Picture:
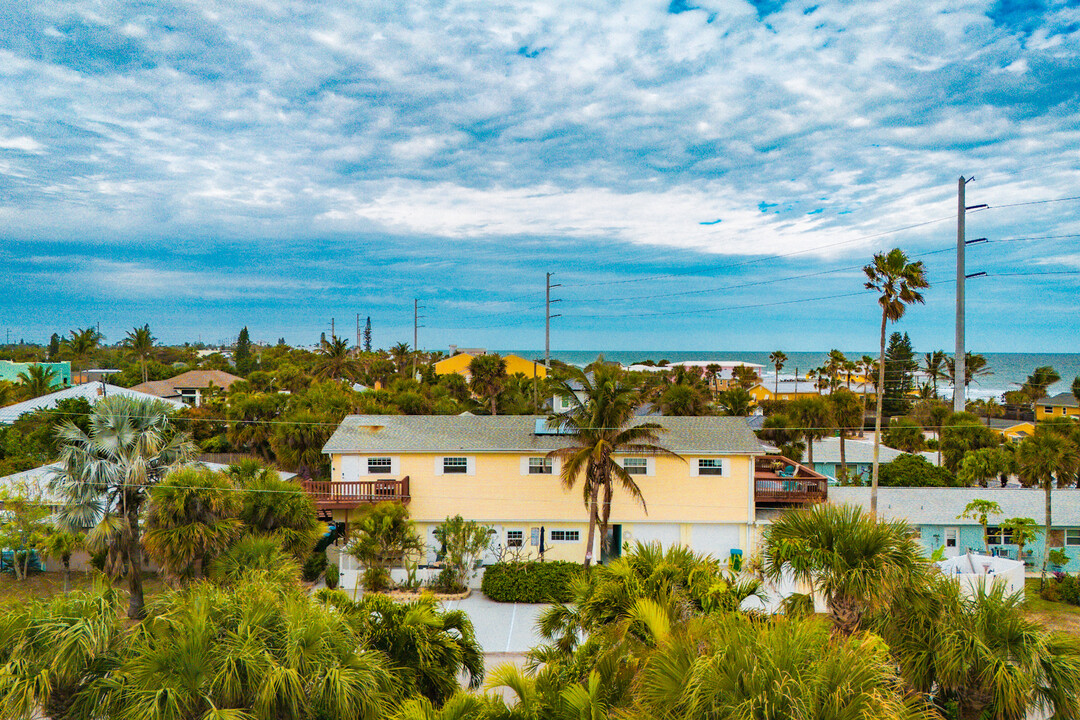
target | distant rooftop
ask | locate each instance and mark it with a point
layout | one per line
(92, 391)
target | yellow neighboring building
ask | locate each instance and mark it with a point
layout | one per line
(1013, 430)
(494, 470)
(514, 364)
(1061, 405)
(785, 390)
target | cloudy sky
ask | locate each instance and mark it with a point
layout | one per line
(699, 175)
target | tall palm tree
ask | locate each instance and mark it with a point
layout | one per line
(487, 377)
(401, 355)
(814, 416)
(847, 413)
(897, 282)
(934, 366)
(106, 473)
(37, 380)
(856, 561)
(335, 360)
(975, 366)
(777, 358)
(191, 516)
(1044, 456)
(82, 343)
(140, 343)
(601, 424)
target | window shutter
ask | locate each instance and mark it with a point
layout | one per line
(556, 465)
(725, 467)
(650, 466)
(438, 465)
(395, 466)
(471, 465)
(524, 465)
(693, 467)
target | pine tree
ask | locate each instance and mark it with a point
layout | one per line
(54, 346)
(900, 364)
(367, 335)
(242, 354)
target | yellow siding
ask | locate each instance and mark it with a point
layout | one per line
(1042, 414)
(514, 364)
(457, 364)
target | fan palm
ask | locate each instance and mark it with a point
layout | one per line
(487, 377)
(140, 343)
(335, 360)
(854, 560)
(814, 416)
(934, 366)
(1044, 456)
(600, 425)
(191, 517)
(106, 474)
(847, 413)
(897, 281)
(278, 508)
(37, 380)
(777, 358)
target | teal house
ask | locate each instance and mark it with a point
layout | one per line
(858, 453)
(934, 513)
(9, 371)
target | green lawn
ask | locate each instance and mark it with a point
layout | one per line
(1053, 615)
(45, 585)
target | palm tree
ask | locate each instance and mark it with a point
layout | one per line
(898, 282)
(401, 355)
(981, 510)
(777, 358)
(335, 360)
(934, 365)
(600, 426)
(815, 417)
(1023, 531)
(277, 508)
(847, 413)
(690, 400)
(487, 377)
(61, 544)
(191, 517)
(856, 561)
(37, 380)
(106, 474)
(82, 343)
(1039, 381)
(735, 402)
(975, 366)
(140, 342)
(1042, 457)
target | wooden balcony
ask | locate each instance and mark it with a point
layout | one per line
(345, 495)
(780, 481)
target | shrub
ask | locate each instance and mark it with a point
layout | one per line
(333, 576)
(914, 471)
(1069, 587)
(314, 565)
(530, 582)
(463, 543)
(1051, 592)
(376, 579)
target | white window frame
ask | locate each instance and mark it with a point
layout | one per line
(463, 465)
(1072, 537)
(552, 538)
(520, 539)
(636, 465)
(996, 535)
(539, 465)
(952, 534)
(379, 471)
(470, 465)
(724, 467)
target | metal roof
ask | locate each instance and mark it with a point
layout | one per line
(93, 392)
(517, 433)
(941, 506)
(827, 450)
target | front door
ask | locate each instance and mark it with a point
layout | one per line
(952, 542)
(614, 548)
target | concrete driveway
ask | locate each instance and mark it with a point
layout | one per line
(500, 627)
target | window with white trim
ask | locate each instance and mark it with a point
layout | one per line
(379, 466)
(999, 536)
(636, 466)
(710, 466)
(565, 536)
(515, 538)
(1072, 536)
(540, 466)
(455, 465)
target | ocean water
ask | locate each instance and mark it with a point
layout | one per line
(1009, 370)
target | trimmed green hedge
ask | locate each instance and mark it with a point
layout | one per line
(529, 582)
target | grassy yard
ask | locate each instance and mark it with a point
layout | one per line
(1053, 615)
(45, 585)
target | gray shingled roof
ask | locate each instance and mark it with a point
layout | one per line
(1065, 399)
(501, 433)
(940, 506)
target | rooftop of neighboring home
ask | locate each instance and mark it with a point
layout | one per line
(91, 391)
(1005, 424)
(1065, 399)
(459, 364)
(191, 380)
(727, 367)
(804, 386)
(942, 506)
(827, 450)
(522, 433)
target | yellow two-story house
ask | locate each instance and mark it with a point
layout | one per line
(1061, 405)
(497, 471)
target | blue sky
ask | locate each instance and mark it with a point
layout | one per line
(699, 175)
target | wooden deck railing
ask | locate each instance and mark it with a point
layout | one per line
(349, 494)
(803, 485)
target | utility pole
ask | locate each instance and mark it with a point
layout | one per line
(333, 335)
(547, 319)
(357, 332)
(417, 307)
(960, 353)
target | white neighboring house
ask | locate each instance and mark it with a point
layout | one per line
(92, 392)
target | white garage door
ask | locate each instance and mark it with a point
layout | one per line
(667, 534)
(715, 540)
